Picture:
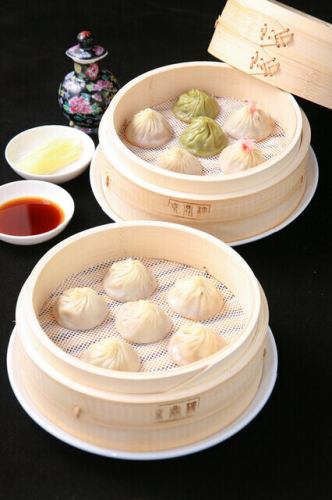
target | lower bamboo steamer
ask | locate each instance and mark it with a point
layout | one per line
(162, 406)
(231, 207)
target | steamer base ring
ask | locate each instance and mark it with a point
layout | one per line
(311, 186)
(264, 391)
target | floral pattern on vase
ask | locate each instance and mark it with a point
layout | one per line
(86, 92)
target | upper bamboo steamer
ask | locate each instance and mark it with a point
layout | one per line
(136, 410)
(230, 218)
(161, 85)
(231, 207)
(276, 43)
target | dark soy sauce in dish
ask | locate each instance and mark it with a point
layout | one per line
(29, 216)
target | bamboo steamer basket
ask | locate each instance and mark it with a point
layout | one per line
(148, 410)
(167, 83)
(274, 42)
(231, 207)
(229, 217)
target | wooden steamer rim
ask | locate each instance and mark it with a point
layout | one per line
(156, 86)
(278, 44)
(37, 287)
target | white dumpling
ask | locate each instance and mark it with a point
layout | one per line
(80, 309)
(194, 342)
(179, 160)
(142, 322)
(129, 280)
(240, 156)
(148, 129)
(249, 122)
(112, 353)
(195, 298)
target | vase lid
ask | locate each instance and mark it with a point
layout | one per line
(86, 51)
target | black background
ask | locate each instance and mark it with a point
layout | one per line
(284, 452)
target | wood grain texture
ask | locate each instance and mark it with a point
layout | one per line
(280, 45)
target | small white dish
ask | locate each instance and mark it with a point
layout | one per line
(33, 137)
(38, 189)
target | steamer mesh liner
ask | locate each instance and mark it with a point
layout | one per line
(229, 323)
(273, 146)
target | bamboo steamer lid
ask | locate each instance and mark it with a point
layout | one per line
(278, 44)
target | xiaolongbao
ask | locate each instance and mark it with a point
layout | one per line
(148, 129)
(80, 309)
(129, 280)
(249, 122)
(142, 322)
(179, 160)
(112, 353)
(203, 137)
(195, 298)
(240, 156)
(195, 103)
(194, 342)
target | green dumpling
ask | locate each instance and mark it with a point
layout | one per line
(203, 137)
(195, 103)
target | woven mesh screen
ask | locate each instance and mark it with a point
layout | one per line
(229, 324)
(271, 147)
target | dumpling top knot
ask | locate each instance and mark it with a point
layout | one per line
(203, 137)
(247, 145)
(112, 353)
(179, 160)
(142, 322)
(148, 129)
(194, 342)
(195, 298)
(249, 122)
(129, 280)
(239, 156)
(80, 309)
(195, 103)
(251, 105)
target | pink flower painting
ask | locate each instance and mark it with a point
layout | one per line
(97, 97)
(92, 71)
(99, 50)
(102, 84)
(79, 105)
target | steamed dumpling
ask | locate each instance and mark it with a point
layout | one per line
(129, 280)
(112, 353)
(195, 103)
(240, 156)
(179, 160)
(249, 122)
(195, 298)
(142, 322)
(80, 309)
(203, 137)
(148, 129)
(194, 342)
